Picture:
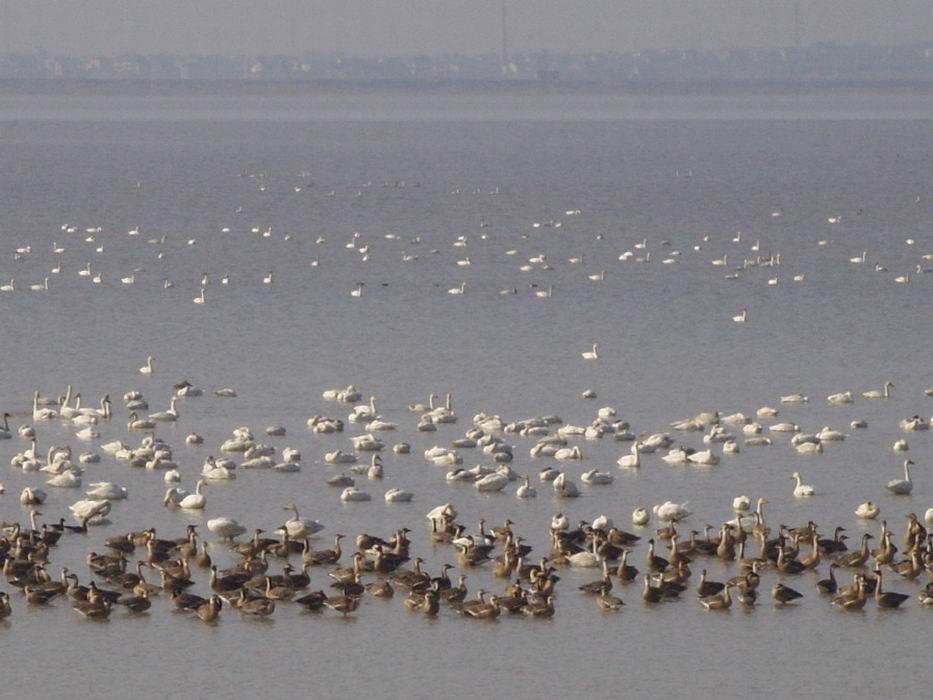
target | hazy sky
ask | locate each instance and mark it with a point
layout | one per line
(375, 27)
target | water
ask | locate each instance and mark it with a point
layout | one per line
(663, 170)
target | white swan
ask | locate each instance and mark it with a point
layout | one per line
(585, 559)
(867, 511)
(802, 490)
(671, 512)
(526, 490)
(196, 500)
(225, 528)
(592, 353)
(297, 527)
(903, 486)
(640, 517)
(882, 394)
(492, 482)
(169, 416)
(41, 413)
(340, 457)
(568, 453)
(631, 461)
(457, 291)
(90, 509)
(137, 423)
(398, 496)
(794, 398)
(842, 397)
(928, 516)
(354, 494)
(67, 480)
(147, 368)
(564, 487)
(31, 496)
(741, 504)
(742, 317)
(596, 477)
(704, 457)
(174, 496)
(106, 490)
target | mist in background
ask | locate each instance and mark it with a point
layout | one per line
(405, 27)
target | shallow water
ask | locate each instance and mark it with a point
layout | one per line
(669, 350)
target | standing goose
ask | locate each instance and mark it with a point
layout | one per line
(784, 595)
(888, 600)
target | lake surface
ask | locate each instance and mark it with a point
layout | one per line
(685, 174)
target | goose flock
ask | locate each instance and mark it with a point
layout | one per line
(261, 573)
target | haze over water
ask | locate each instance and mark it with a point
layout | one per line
(663, 169)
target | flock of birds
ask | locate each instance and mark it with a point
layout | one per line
(739, 258)
(261, 575)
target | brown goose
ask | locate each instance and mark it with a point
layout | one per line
(343, 604)
(609, 602)
(209, 611)
(625, 571)
(540, 608)
(380, 589)
(489, 611)
(312, 601)
(259, 607)
(858, 558)
(5, 609)
(855, 600)
(708, 588)
(326, 557)
(136, 603)
(888, 600)
(94, 611)
(784, 595)
(649, 593)
(719, 601)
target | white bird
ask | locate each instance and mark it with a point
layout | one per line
(492, 482)
(631, 461)
(225, 528)
(742, 317)
(741, 504)
(564, 487)
(90, 509)
(840, 398)
(169, 416)
(106, 490)
(147, 368)
(794, 398)
(297, 527)
(196, 500)
(596, 477)
(640, 517)
(592, 354)
(526, 490)
(802, 490)
(397, 496)
(457, 291)
(354, 494)
(903, 486)
(67, 479)
(882, 394)
(867, 511)
(31, 496)
(671, 512)
(560, 522)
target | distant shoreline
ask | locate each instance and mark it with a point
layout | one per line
(246, 88)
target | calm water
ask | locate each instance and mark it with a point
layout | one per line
(661, 170)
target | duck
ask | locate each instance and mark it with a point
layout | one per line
(902, 487)
(802, 490)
